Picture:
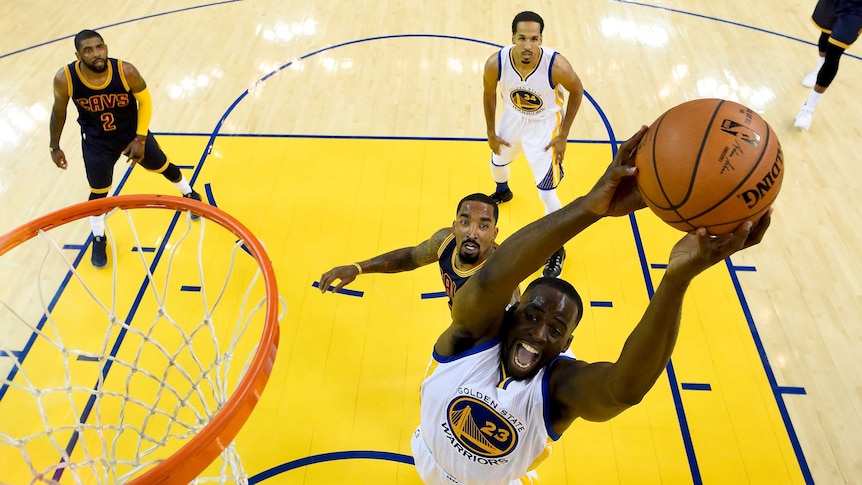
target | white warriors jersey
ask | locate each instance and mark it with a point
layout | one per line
(533, 96)
(480, 426)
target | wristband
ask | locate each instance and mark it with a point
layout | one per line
(359, 268)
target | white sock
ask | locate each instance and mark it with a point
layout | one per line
(500, 174)
(813, 98)
(97, 225)
(550, 199)
(183, 185)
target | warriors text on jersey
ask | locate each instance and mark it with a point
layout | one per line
(533, 96)
(479, 426)
(107, 110)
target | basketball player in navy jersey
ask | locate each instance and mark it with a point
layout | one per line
(497, 392)
(460, 250)
(531, 79)
(840, 22)
(114, 110)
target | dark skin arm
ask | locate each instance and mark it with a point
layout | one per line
(489, 101)
(478, 309)
(602, 390)
(58, 117)
(404, 259)
(563, 74)
(135, 149)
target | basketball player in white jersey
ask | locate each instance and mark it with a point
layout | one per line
(531, 78)
(497, 393)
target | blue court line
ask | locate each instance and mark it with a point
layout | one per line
(16, 354)
(190, 288)
(343, 291)
(334, 456)
(147, 249)
(778, 392)
(359, 137)
(72, 36)
(814, 32)
(436, 294)
(743, 268)
(658, 265)
(76, 247)
(601, 304)
(87, 358)
(791, 390)
(691, 386)
(209, 192)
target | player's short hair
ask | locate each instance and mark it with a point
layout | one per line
(563, 287)
(528, 16)
(479, 197)
(84, 35)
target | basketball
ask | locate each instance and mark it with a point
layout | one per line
(709, 163)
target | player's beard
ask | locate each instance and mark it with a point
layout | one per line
(93, 67)
(467, 258)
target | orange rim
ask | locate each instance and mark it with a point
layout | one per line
(202, 449)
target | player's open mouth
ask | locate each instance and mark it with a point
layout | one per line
(469, 246)
(526, 355)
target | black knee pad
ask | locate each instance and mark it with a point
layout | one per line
(172, 173)
(830, 65)
(822, 42)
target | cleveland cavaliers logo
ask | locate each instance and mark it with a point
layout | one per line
(480, 429)
(526, 101)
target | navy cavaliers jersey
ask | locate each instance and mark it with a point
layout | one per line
(453, 278)
(107, 110)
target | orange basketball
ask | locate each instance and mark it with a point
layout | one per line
(709, 163)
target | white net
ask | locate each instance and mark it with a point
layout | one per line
(107, 373)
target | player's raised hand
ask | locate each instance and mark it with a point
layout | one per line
(616, 193)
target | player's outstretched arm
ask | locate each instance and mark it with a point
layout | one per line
(478, 307)
(600, 391)
(396, 261)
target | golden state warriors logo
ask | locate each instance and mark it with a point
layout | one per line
(526, 101)
(480, 429)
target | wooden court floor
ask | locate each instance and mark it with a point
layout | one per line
(339, 130)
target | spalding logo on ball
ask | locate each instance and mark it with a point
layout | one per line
(709, 163)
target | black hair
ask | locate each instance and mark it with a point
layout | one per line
(84, 35)
(528, 16)
(479, 197)
(563, 287)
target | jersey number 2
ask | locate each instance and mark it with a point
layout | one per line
(108, 122)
